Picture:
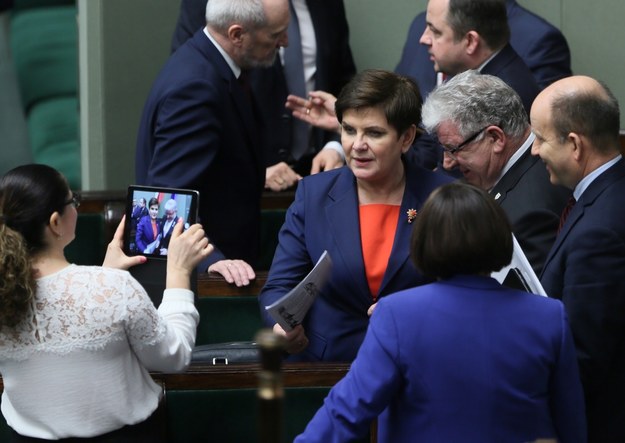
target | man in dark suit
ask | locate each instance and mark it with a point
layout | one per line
(542, 47)
(485, 133)
(328, 65)
(199, 128)
(469, 34)
(576, 122)
(167, 224)
(138, 212)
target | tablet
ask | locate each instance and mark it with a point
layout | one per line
(151, 214)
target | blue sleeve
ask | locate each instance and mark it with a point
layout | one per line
(291, 261)
(362, 394)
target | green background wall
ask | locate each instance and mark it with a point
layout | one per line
(124, 44)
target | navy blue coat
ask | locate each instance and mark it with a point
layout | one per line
(586, 270)
(198, 131)
(334, 63)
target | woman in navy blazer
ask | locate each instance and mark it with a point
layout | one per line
(463, 359)
(379, 112)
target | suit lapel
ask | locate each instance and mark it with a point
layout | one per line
(494, 67)
(512, 177)
(400, 252)
(587, 199)
(241, 103)
(342, 207)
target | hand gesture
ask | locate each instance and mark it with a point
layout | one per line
(318, 110)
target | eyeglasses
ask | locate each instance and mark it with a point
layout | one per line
(75, 200)
(451, 150)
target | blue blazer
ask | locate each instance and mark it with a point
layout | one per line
(461, 360)
(144, 235)
(324, 216)
(199, 131)
(586, 270)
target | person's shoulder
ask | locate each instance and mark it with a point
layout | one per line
(520, 17)
(419, 173)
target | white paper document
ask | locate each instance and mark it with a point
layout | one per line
(290, 310)
(521, 266)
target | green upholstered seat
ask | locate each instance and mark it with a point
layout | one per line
(225, 319)
(89, 246)
(54, 139)
(26, 4)
(45, 52)
(270, 224)
(229, 415)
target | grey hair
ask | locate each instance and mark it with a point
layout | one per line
(221, 14)
(471, 101)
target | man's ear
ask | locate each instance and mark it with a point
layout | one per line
(498, 136)
(578, 145)
(235, 34)
(473, 42)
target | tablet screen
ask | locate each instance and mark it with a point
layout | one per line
(151, 214)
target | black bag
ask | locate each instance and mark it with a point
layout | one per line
(226, 353)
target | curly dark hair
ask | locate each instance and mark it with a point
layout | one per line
(29, 195)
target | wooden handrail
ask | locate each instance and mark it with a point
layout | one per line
(211, 285)
(240, 376)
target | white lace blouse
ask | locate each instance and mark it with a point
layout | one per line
(79, 366)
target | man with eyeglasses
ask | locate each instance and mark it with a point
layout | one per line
(469, 34)
(484, 130)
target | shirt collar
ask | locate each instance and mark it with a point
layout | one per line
(516, 156)
(233, 66)
(586, 181)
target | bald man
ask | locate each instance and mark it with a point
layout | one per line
(576, 123)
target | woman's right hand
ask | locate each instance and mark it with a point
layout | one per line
(296, 340)
(186, 250)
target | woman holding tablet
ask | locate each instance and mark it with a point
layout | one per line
(77, 342)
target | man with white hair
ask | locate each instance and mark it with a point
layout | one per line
(484, 131)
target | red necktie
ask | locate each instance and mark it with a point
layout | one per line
(566, 211)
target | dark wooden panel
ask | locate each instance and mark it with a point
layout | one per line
(211, 285)
(202, 376)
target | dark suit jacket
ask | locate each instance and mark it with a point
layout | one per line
(533, 206)
(461, 360)
(198, 131)
(586, 270)
(166, 235)
(542, 47)
(508, 66)
(324, 216)
(335, 67)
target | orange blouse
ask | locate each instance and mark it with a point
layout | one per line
(378, 224)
